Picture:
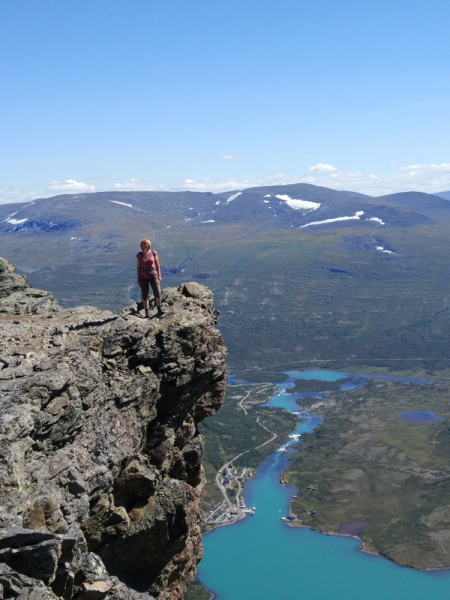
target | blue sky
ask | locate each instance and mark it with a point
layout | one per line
(223, 95)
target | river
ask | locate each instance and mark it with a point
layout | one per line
(261, 558)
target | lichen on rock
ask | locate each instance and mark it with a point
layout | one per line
(100, 474)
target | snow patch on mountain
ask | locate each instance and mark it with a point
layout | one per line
(27, 225)
(233, 197)
(11, 215)
(355, 217)
(298, 204)
(16, 221)
(382, 249)
(122, 203)
(377, 220)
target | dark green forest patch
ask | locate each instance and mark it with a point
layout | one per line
(262, 377)
(316, 385)
(197, 591)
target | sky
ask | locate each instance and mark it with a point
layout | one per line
(216, 96)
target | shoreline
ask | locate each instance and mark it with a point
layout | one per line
(347, 535)
(225, 524)
(360, 548)
(365, 550)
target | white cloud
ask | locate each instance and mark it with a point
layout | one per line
(424, 177)
(322, 168)
(428, 178)
(209, 184)
(444, 167)
(9, 195)
(136, 185)
(227, 157)
(70, 185)
(127, 186)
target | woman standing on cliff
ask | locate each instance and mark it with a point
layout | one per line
(149, 273)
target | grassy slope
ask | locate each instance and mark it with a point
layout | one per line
(370, 466)
(388, 307)
(274, 289)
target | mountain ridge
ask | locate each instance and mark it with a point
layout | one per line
(70, 212)
(445, 195)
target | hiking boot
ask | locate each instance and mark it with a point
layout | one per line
(160, 311)
(147, 313)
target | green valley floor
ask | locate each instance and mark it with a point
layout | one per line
(364, 464)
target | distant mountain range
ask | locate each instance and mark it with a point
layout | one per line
(299, 271)
(289, 206)
(445, 195)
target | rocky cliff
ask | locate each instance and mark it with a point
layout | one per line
(100, 460)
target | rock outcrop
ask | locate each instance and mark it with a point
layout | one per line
(100, 461)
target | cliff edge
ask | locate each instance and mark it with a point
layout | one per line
(100, 461)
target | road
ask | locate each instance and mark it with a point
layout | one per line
(274, 436)
(218, 480)
(243, 400)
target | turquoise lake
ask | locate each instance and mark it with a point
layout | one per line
(261, 558)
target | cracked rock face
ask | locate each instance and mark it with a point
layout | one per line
(100, 472)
